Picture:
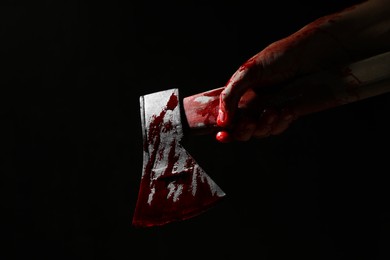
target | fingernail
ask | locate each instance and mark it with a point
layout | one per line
(221, 117)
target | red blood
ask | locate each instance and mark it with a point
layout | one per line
(202, 109)
(208, 112)
(220, 122)
(223, 137)
(162, 209)
(172, 102)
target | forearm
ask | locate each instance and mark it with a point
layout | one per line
(364, 29)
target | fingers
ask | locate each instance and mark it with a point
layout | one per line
(285, 118)
(244, 129)
(265, 125)
(273, 122)
(270, 123)
(238, 84)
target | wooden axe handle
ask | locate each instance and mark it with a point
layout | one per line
(306, 95)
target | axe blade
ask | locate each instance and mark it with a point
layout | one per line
(173, 186)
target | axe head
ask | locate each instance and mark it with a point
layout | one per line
(173, 186)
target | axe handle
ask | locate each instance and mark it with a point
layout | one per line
(306, 95)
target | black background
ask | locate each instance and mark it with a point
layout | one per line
(72, 143)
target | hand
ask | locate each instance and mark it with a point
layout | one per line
(241, 113)
(354, 33)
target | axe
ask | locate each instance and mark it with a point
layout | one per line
(174, 186)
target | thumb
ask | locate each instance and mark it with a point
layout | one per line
(229, 98)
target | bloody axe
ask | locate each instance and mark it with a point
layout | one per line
(174, 186)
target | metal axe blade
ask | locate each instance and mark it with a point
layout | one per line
(173, 186)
